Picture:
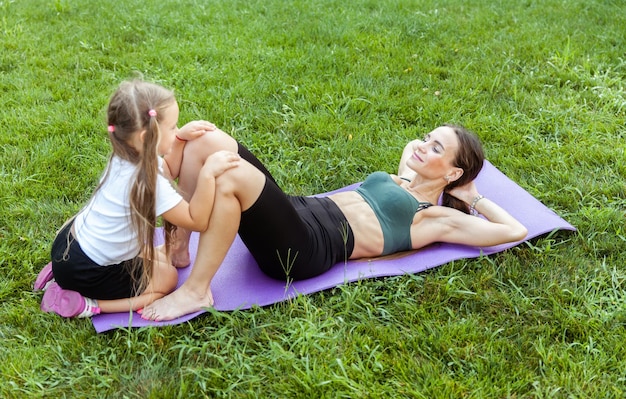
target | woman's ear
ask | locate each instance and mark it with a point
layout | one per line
(454, 174)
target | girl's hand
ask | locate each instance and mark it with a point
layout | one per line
(219, 162)
(465, 193)
(195, 129)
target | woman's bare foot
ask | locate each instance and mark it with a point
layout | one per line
(179, 303)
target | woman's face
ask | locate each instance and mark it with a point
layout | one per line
(433, 157)
(168, 127)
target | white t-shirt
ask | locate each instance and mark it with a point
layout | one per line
(103, 229)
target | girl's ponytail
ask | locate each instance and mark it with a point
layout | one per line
(143, 196)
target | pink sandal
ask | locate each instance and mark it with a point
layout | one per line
(67, 303)
(44, 278)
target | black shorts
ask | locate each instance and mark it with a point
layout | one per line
(294, 238)
(77, 272)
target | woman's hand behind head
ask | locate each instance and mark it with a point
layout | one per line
(465, 193)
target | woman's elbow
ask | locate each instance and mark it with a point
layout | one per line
(519, 233)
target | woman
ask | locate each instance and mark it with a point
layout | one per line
(296, 238)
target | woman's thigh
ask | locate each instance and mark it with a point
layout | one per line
(274, 232)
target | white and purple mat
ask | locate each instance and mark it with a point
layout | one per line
(239, 284)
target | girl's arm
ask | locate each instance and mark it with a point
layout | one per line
(190, 131)
(194, 215)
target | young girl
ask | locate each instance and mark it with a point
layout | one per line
(103, 259)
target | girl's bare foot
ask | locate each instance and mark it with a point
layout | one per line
(179, 303)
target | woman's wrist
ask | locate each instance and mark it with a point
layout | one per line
(472, 207)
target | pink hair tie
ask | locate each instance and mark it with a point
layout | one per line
(152, 113)
(111, 128)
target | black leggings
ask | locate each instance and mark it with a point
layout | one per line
(293, 238)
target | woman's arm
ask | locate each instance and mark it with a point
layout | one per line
(498, 227)
(460, 228)
(450, 225)
(403, 170)
(194, 215)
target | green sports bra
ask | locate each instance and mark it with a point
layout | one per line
(394, 207)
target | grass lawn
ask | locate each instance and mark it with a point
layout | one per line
(325, 92)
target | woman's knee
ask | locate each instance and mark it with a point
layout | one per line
(244, 182)
(208, 143)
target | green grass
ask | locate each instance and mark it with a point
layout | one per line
(326, 92)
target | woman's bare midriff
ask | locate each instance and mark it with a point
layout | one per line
(368, 235)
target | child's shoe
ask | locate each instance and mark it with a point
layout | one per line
(44, 278)
(68, 303)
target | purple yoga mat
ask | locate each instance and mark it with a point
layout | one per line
(239, 284)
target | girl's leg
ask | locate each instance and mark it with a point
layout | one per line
(70, 303)
(164, 280)
(236, 190)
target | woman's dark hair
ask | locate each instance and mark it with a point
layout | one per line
(470, 158)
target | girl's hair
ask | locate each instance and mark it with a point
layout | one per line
(135, 107)
(470, 158)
